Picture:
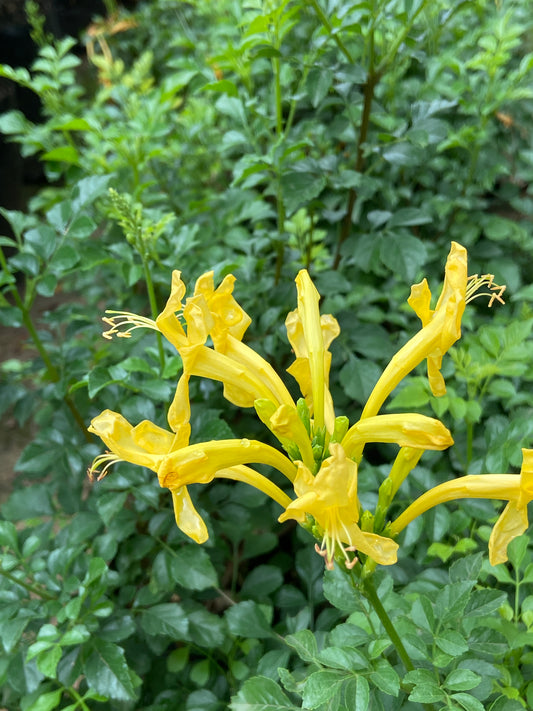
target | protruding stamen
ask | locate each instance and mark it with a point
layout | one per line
(475, 283)
(327, 551)
(107, 460)
(124, 318)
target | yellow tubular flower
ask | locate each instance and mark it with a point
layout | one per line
(199, 463)
(147, 445)
(310, 335)
(331, 498)
(517, 489)
(406, 430)
(441, 328)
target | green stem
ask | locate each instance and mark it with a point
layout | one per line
(346, 224)
(324, 20)
(280, 247)
(371, 595)
(469, 444)
(153, 308)
(369, 591)
(79, 700)
(30, 588)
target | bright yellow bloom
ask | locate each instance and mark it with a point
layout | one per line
(177, 464)
(211, 313)
(146, 445)
(517, 489)
(441, 328)
(310, 335)
(331, 498)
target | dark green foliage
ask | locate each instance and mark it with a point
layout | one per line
(355, 139)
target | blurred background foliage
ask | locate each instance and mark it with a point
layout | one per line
(355, 139)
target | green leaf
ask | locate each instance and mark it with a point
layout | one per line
(517, 551)
(422, 614)
(461, 680)
(168, 619)
(299, 188)
(468, 702)
(64, 259)
(247, 619)
(427, 693)
(88, 189)
(467, 568)
(63, 154)
(414, 394)
(42, 241)
(346, 659)
(452, 600)
(47, 285)
(358, 376)
(451, 642)
(8, 535)
(403, 154)
(192, 568)
(339, 591)
(262, 581)
(48, 660)
(45, 701)
(261, 694)
(11, 629)
(206, 629)
(386, 678)
(107, 672)
(98, 379)
(408, 216)
(404, 255)
(27, 503)
(305, 645)
(321, 686)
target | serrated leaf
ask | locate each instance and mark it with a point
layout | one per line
(321, 686)
(261, 694)
(304, 644)
(167, 619)
(299, 188)
(247, 619)
(46, 701)
(262, 581)
(404, 255)
(107, 672)
(192, 568)
(462, 680)
(451, 642)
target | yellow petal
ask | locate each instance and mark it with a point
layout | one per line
(229, 318)
(187, 518)
(145, 445)
(406, 430)
(512, 523)
(381, 549)
(167, 321)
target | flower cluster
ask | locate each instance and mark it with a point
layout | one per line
(322, 451)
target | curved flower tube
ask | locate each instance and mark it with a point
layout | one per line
(517, 489)
(405, 429)
(331, 498)
(310, 335)
(441, 328)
